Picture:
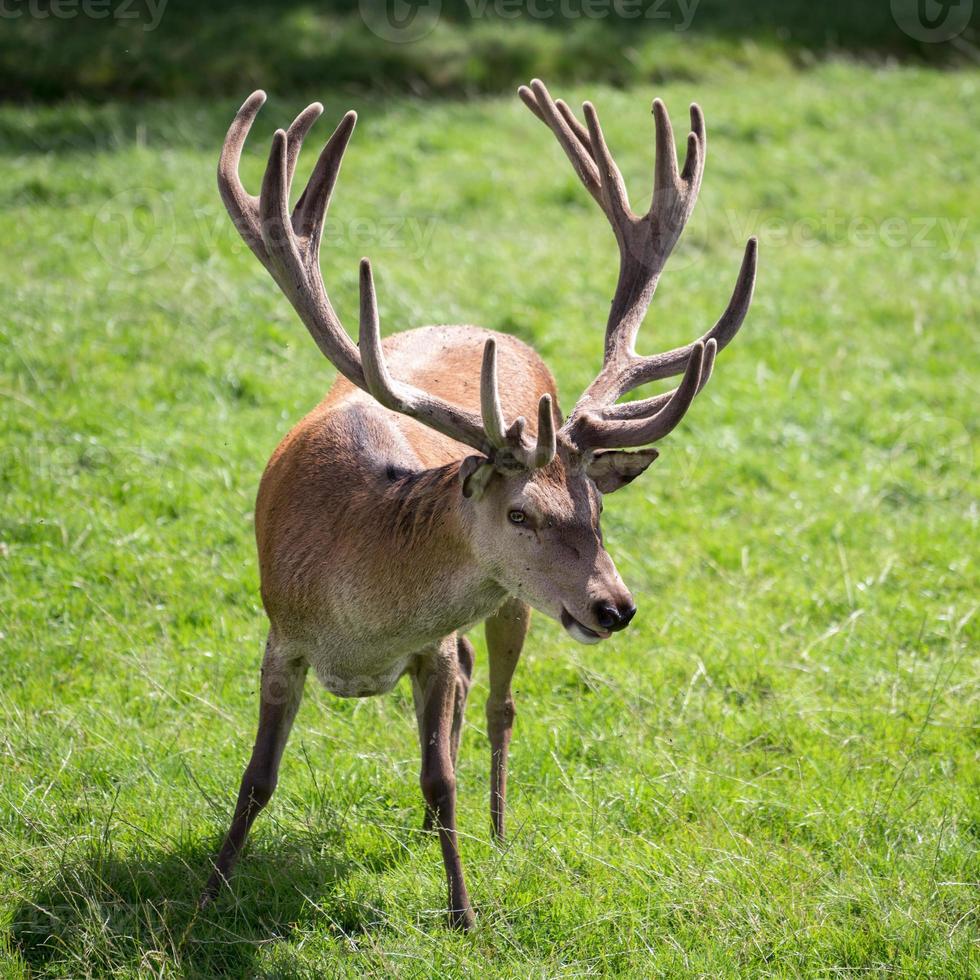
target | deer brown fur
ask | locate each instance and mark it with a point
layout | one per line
(404, 510)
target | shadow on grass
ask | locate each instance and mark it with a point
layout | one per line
(102, 913)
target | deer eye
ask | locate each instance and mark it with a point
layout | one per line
(516, 516)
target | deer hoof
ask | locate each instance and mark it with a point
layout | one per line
(462, 919)
(210, 892)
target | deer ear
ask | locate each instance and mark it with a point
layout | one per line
(614, 469)
(474, 475)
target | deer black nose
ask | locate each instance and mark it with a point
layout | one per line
(610, 617)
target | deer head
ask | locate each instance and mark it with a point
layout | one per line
(531, 493)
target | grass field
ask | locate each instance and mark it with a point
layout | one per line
(774, 772)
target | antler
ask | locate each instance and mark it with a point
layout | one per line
(288, 245)
(645, 243)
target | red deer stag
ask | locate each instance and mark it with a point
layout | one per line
(413, 503)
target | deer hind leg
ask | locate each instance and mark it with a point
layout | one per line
(281, 693)
(466, 656)
(505, 632)
(436, 686)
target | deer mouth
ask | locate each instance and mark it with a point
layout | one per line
(579, 632)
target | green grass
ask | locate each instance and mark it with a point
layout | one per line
(774, 772)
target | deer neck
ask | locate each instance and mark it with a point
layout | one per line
(427, 518)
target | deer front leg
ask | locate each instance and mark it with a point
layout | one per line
(282, 690)
(466, 656)
(505, 631)
(435, 685)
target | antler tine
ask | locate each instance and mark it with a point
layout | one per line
(530, 100)
(509, 440)
(731, 320)
(641, 370)
(659, 425)
(405, 399)
(547, 445)
(665, 175)
(657, 366)
(646, 407)
(295, 135)
(313, 202)
(274, 208)
(580, 131)
(493, 415)
(616, 200)
(585, 147)
(697, 150)
(292, 244)
(615, 434)
(539, 100)
(675, 192)
(379, 382)
(242, 206)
